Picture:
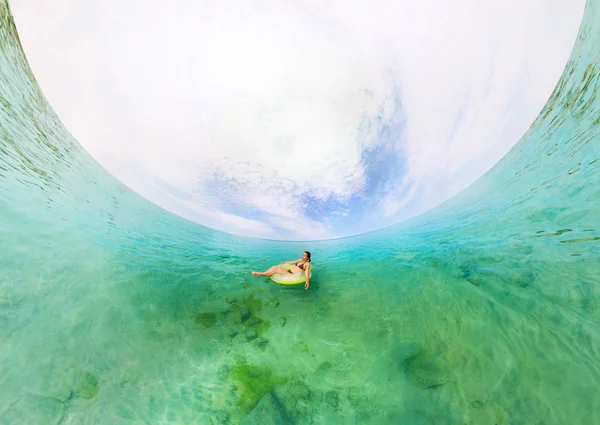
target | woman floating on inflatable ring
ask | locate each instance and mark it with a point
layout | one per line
(299, 266)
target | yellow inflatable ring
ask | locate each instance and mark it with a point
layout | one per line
(291, 279)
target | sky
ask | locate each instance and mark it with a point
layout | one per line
(297, 120)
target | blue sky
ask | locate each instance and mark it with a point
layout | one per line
(297, 120)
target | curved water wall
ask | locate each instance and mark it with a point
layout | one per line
(484, 310)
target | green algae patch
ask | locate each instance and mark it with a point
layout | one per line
(249, 303)
(259, 325)
(303, 348)
(86, 386)
(425, 370)
(325, 367)
(252, 304)
(244, 313)
(252, 383)
(206, 320)
(70, 380)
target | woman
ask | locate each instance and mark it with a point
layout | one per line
(300, 266)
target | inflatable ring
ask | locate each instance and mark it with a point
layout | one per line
(290, 279)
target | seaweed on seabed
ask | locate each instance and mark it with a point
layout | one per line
(425, 370)
(244, 313)
(206, 320)
(252, 382)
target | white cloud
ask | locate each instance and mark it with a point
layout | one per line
(474, 82)
(394, 202)
(251, 107)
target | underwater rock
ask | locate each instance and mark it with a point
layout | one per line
(222, 417)
(250, 334)
(69, 381)
(521, 278)
(86, 386)
(244, 314)
(260, 326)
(262, 343)
(469, 273)
(356, 398)
(234, 305)
(474, 280)
(206, 320)
(254, 321)
(364, 408)
(234, 331)
(465, 273)
(477, 404)
(268, 411)
(252, 304)
(223, 372)
(332, 398)
(423, 371)
(292, 391)
(406, 350)
(237, 315)
(496, 414)
(232, 318)
(298, 390)
(252, 383)
(33, 409)
(61, 394)
(324, 367)
(294, 395)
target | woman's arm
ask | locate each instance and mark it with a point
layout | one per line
(306, 273)
(289, 262)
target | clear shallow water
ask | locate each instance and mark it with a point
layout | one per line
(482, 311)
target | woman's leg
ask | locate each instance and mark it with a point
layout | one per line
(273, 270)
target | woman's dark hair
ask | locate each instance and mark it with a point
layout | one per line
(308, 255)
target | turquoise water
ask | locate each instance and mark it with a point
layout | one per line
(482, 311)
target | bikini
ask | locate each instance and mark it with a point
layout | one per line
(297, 273)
